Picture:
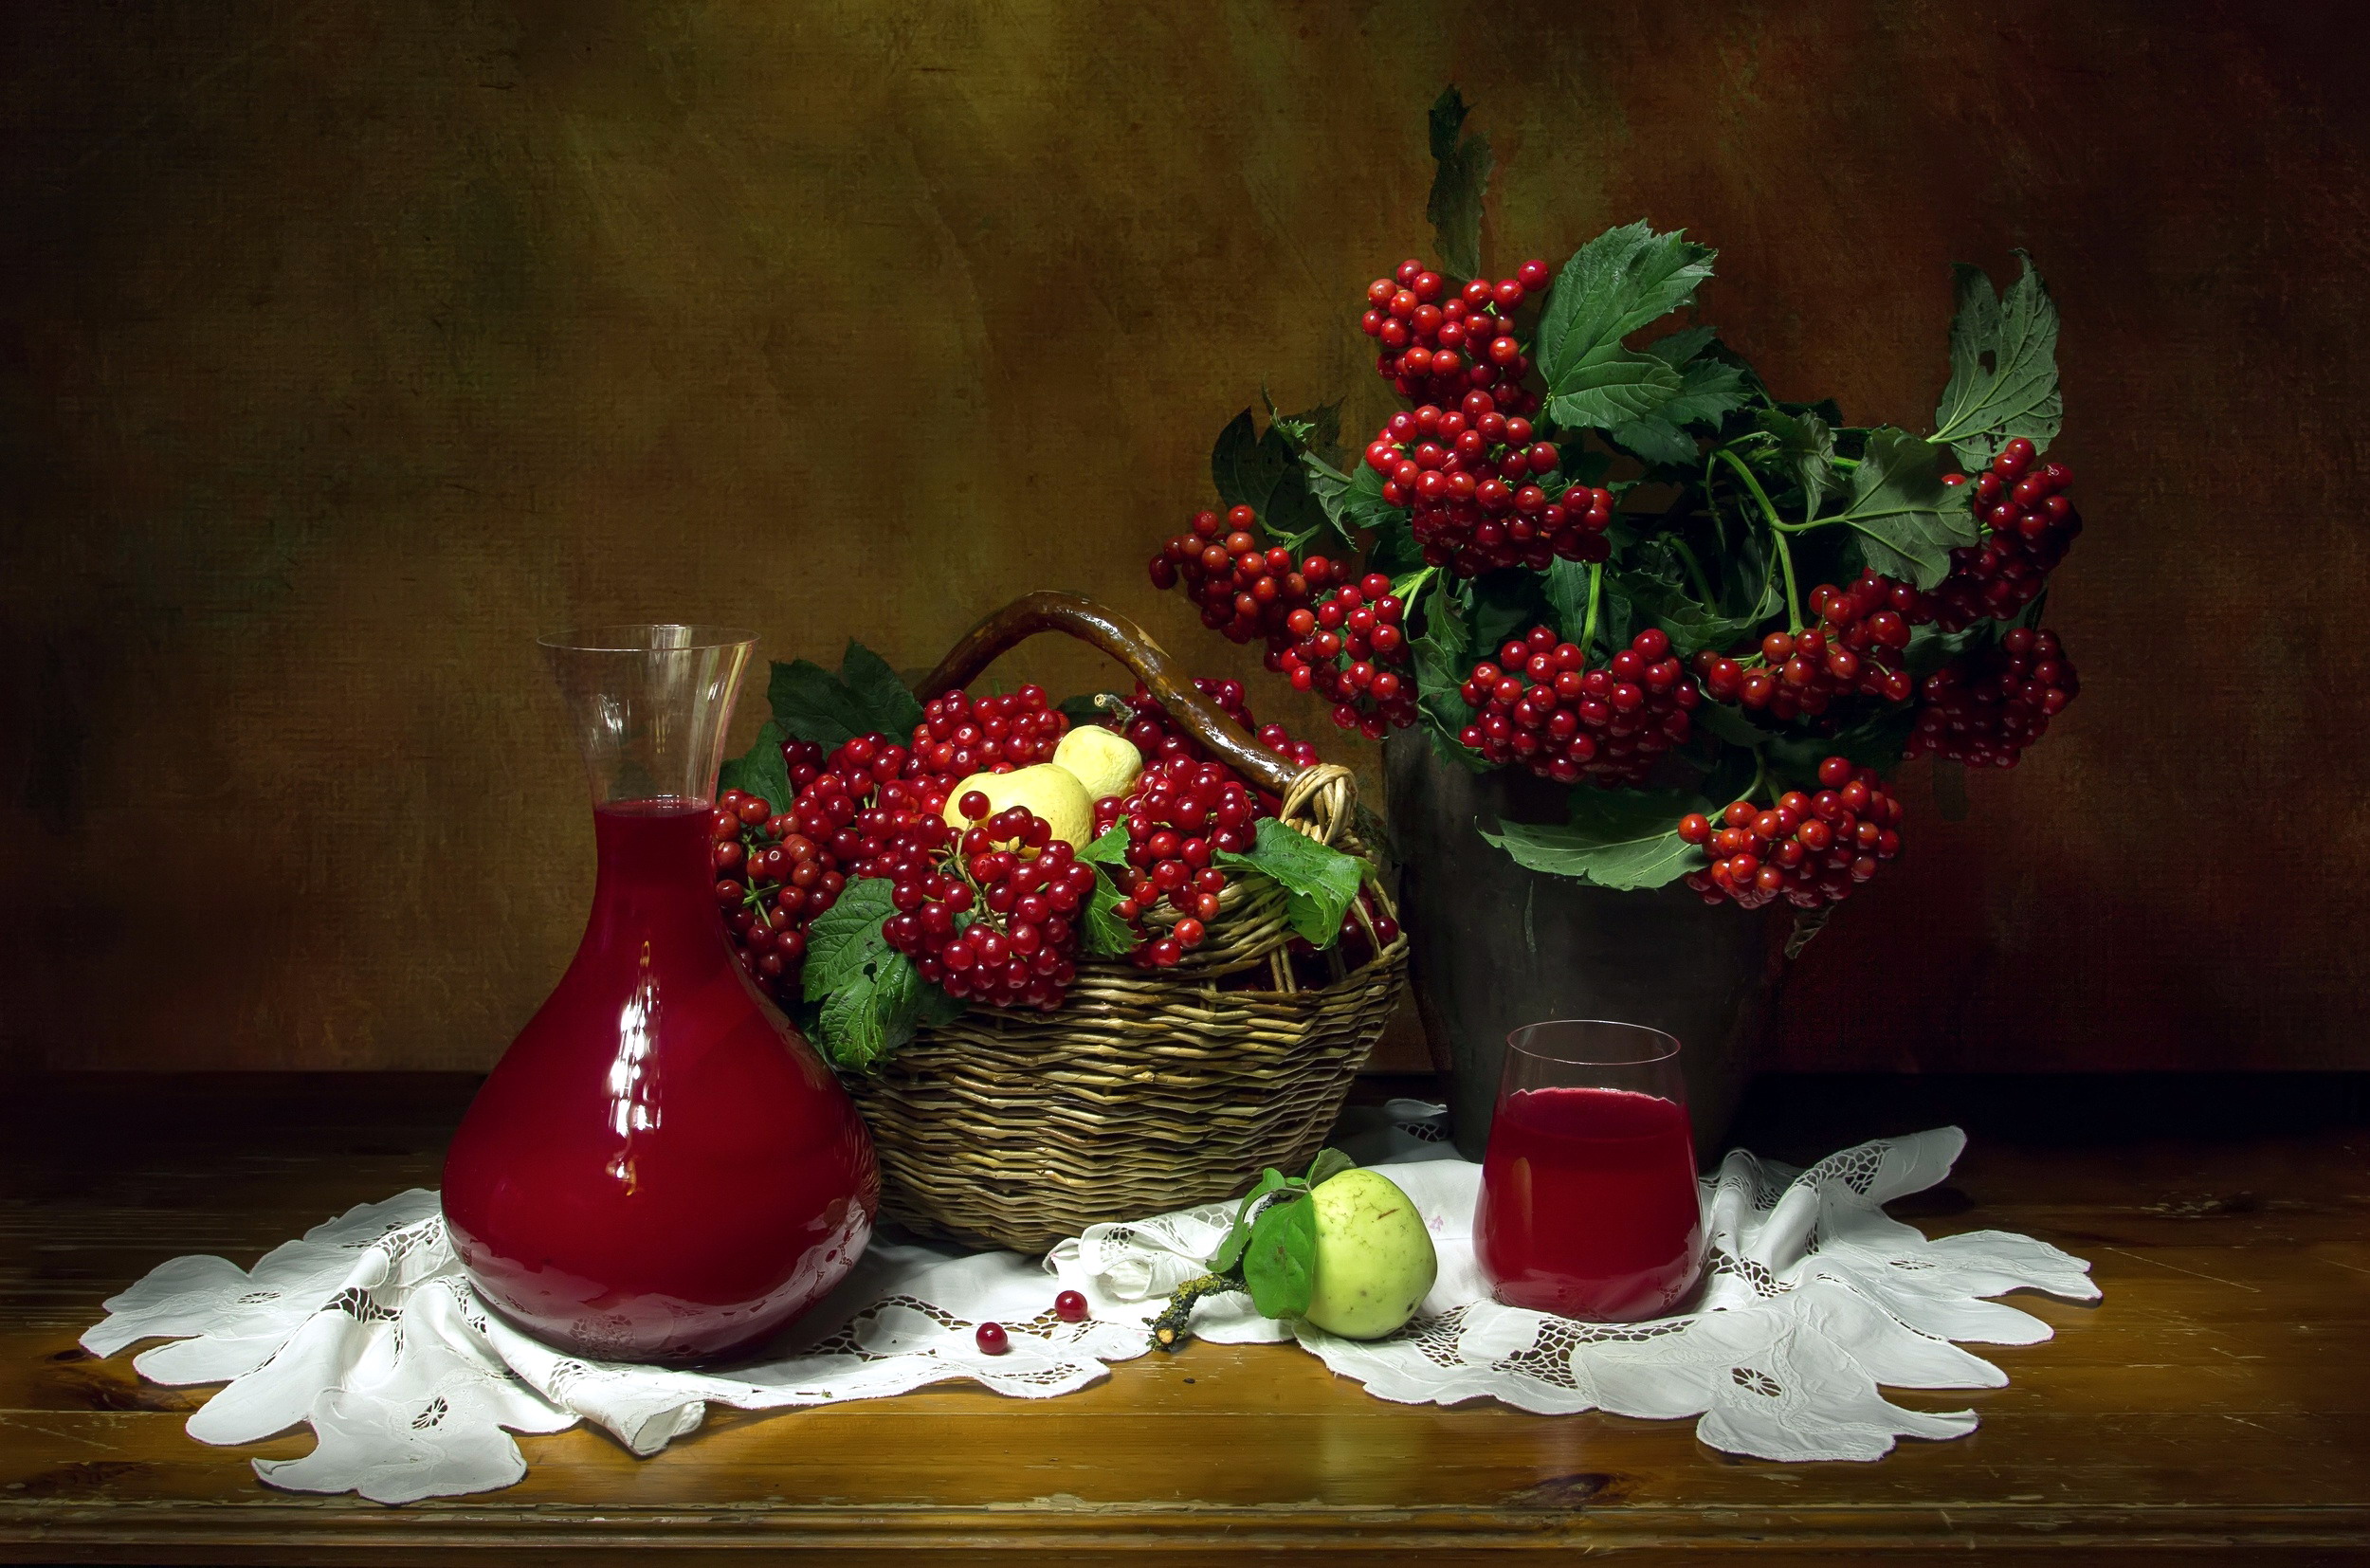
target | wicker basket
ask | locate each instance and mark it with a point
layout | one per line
(1147, 1091)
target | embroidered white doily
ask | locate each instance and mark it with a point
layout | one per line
(367, 1330)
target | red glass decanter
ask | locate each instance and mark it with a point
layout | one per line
(660, 1169)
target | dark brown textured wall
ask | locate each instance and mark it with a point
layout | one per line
(344, 348)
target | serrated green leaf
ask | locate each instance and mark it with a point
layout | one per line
(1876, 742)
(1611, 286)
(1230, 1246)
(1908, 521)
(1083, 709)
(1312, 432)
(1567, 594)
(872, 996)
(759, 770)
(1612, 386)
(1353, 501)
(2003, 368)
(1444, 656)
(1319, 880)
(846, 938)
(1728, 724)
(1807, 443)
(1263, 472)
(864, 698)
(1102, 933)
(1656, 441)
(1618, 839)
(1681, 346)
(1330, 1162)
(1110, 848)
(1506, 604)
(1394, 551)
(1280, 1262)
(1460, 180)
(1931, 648)
(1709, 391)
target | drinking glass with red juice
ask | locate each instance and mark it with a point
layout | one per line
(1588, 1206)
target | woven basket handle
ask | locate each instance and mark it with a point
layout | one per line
(1317, 800)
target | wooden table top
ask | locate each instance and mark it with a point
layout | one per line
(2216, 1406)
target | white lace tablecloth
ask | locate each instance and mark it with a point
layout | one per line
(367, 1330)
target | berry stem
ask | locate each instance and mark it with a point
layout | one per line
(1596, 587)
(1794, 598)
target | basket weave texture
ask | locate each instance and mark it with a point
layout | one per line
(1143, 1093)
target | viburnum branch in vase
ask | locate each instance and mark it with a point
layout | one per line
(1597, 546)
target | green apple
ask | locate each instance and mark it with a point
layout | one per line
(1374, 1262)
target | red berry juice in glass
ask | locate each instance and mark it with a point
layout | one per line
(1589, 1206)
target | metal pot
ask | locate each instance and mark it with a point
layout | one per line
(1493, 946)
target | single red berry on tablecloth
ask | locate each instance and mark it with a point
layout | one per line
(1070, 1306)
(993, 1339)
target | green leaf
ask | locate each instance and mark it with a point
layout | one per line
(1726, 722)
(1444, 656)
(1876, 742)
(1109, 850)
(1280, 1262)
(864, 698)
(1353, 501)
(1567, 592)
(1656, 440)
(1709, 391)
(1311, 432)
(1319, 880)
(1611, 286)
(1263, 472)
(1230, 1246)
(759, 770)
(1908, 521)
(1807, 445)
(1395, 551)
(1459, 182)
(872, 997)
(1931, 648)
(1618, 839)
(1103, 934)
(1612, 386)
(1085, 709)
(1330, 1162)
(2003, 368)
(846, 939)
(1505, 605)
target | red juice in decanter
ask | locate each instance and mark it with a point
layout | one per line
(1587, 1204)
(657, 1171)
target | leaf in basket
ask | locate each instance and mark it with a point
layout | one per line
(1330, 1162)
(1279, 1263)
(1110, 850)
(1229, 1250)
(1103, 934)
(872, 996)
(864, 698)
(759, 770)
(1319, 880)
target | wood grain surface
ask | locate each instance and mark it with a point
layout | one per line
(2214, 1407)
(342, 350)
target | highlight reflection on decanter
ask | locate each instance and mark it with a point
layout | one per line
(660, 1169)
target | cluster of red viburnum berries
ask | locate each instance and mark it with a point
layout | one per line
(1809, 849)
